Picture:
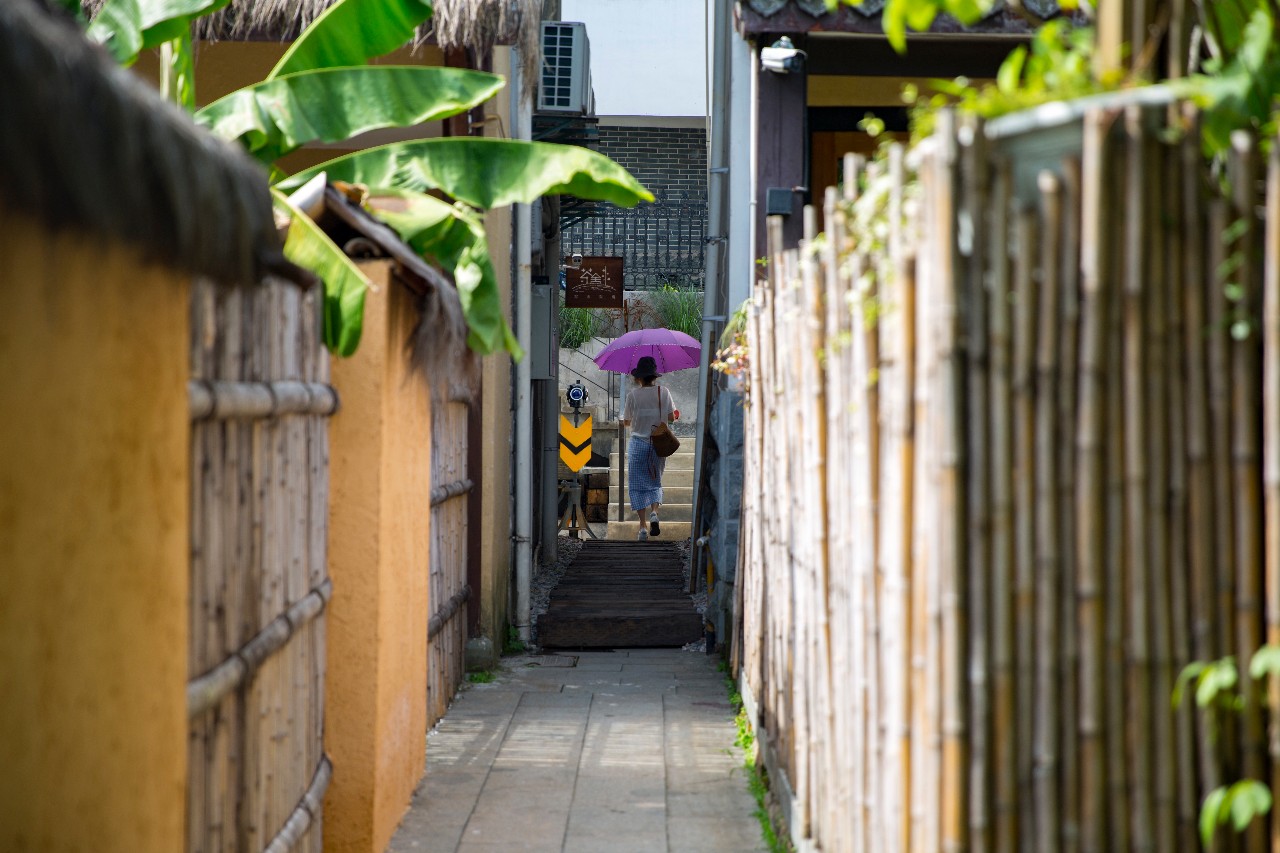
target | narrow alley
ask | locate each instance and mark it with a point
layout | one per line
(626, 751)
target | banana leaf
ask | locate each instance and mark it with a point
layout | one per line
(485, 173)
(128, 27)
(454, 237)
(351, 32)
(344, 284)
(276, 116)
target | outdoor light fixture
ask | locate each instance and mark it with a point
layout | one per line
(782, 57)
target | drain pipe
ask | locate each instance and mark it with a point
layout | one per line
(522, 284)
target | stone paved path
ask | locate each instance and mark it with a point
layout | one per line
(629, 750)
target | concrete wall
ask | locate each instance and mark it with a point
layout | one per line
(380, 548)
(93, 545)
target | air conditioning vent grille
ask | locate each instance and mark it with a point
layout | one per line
(564, 86)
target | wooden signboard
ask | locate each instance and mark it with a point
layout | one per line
(595, 283)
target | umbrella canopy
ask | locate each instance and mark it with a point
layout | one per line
(671, 350)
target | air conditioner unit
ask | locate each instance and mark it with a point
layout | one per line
(565, 86)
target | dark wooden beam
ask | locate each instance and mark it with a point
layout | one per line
(782, 146)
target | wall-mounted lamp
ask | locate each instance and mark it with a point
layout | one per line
(782, 57)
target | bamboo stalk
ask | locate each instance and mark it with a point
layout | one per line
(1116, 569)
(1047, 791)
(1067, 408)
(974, 313)
(1091, 482)
(1165, 755)
(1024, 531)
(1200, 532)
(1137, 551)
(1181, 277)
(1271, 454)
(1001, 475)
(950, 520)
(1246, 468)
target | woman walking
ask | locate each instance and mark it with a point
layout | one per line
(648, 404)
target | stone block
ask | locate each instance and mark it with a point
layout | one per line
(480, 654)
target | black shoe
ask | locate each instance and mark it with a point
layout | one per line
(654, 530)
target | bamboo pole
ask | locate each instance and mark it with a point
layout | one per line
(950, 521)
(974, 312)
(1271, 454)
(1201, 562)
(1180, 277)
(1024, 531)
(1001, 476)
(1067, 407)
(896, 317)
(1246, 467)
(1047, 791)
(1137, 551)
(1165, 755)
(1116, 569)
(1091, 483)
(926, 739)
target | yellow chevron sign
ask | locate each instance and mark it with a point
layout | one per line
(575, 443)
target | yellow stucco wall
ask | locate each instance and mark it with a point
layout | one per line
(379, 559)
(93, 546)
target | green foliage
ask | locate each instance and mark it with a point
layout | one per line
(1237, 804)
(484, 173)
(918, 15)
(512, 644)
(1058, 66)
(679, 307)
(281, 114)
(483, 676)
(128, 27)
(577, 326)
(1217, 691)
(733, 356)
(345, 285)
(351, 32)
(1242, 76)
(321, 91)
(1215, 683)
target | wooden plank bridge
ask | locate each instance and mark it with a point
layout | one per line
(621, 595)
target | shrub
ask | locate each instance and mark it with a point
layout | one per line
(679, 307)
(577, 326)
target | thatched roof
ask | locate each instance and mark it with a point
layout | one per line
(475, 24)
(85, 146)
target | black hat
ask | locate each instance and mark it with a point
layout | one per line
(646, 368)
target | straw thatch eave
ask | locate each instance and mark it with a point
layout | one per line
(477, 25)
(86, 147)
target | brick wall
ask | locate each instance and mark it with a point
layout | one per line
(662, 241)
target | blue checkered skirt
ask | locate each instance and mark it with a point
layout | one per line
(644, 472)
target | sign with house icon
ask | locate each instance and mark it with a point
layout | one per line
(593, 282)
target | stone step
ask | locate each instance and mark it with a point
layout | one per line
(682, 512)
(680, 477)
(627, 530)
(670, 493)
(677, 461)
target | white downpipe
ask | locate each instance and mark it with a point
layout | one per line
(523, 438)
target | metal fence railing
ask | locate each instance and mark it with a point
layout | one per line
(659, 243)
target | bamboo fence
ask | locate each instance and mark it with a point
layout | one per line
(447, 629)
(259, 397)
(1006, 473)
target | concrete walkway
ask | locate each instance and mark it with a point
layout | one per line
(621, 751)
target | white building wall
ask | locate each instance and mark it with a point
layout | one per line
(647, 56)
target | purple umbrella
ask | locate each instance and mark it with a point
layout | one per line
(671, 350)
